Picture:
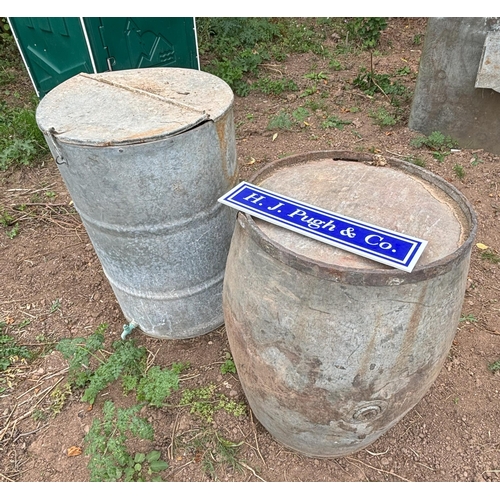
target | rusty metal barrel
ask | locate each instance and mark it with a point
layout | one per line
(145, 154)
(333, 349)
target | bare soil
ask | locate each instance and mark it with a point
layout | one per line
(451, 435)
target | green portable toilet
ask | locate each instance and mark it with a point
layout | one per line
(56, 48)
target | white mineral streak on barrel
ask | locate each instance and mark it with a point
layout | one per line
(145, 154)
(332, 349)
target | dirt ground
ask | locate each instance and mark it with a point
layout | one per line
(52, 287)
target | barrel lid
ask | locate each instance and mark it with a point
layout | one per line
(384, 196)
(132, 106)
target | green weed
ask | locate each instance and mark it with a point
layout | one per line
(335, 122)
(490, 256)
(300, 114)
(405, 70)
(435, 141)
(335, 65)
(21, 141)
(12, 233)
(228, 367)
(384, 118)
(470, 318)
(316, 76)
(281, 121)
(459, 171)
(417, 160)
(276, 87)
(106, 444)
(494, 367)
(206, 401)
(10, 351)
(440, 156)
(371, 83)
(475, 160)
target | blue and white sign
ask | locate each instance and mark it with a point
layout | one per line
(381, 245)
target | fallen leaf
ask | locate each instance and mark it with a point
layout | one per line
(9, 320)
(481, 246)
(252, 161)
(74, 451)
(275, 135)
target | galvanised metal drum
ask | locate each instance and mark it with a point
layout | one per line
(145, 154)
(333, 349)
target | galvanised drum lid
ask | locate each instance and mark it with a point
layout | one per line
(130, 106)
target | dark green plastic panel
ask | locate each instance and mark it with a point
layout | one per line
(142, 42)
(54, 49)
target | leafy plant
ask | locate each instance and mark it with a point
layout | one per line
(280, 121)
(106, 444)
(12, 233)
(157, 385)
(9, 350)
(228, 367)
(435, 141)
(440, 156)
(300, 114)
(470, 318)
(494, 367)
(206, 401)
(335, 122)
(383, 118)
(316, 76)
(366, 30)
(459, 171)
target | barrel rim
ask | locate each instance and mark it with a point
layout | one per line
(363, 276)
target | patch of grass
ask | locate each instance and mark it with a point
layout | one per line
(106, 444)
(276, 87)
(459, 171)
(21, 141)
(335, 122)
(233, 48)
(490, 256)
(436, 141)
(214, 452)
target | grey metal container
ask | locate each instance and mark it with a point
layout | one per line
(332, 350)
(145, 154)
